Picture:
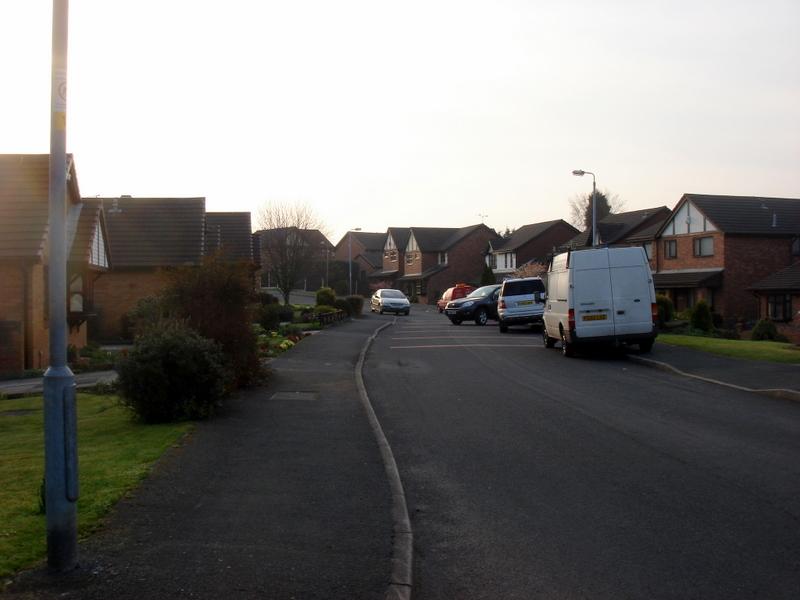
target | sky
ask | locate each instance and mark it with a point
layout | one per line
(414, 113)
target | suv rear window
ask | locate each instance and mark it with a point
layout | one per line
(522, 288)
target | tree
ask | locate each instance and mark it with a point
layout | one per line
(580, 208)
(291, 243)
(487, 277)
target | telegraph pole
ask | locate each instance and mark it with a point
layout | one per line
(60, 414)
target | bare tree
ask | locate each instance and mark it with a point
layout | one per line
(292, 243)
(580, 208)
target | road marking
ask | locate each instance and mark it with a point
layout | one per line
(466, 346)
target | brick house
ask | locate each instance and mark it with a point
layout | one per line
(632, 228)
(717, 247)
(436, 258)
(367, 250)
(394, 249)
(779, 300)
(147, 238)
(530, 244)
(24, 305)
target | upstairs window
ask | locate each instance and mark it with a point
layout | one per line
(704, 246)
(442, 258)
(648, 250)
(670, 248)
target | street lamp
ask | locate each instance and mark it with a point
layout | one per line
(581, 173)
(350, 260)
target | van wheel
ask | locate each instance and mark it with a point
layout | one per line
(567, 348)
(455, 321)
(548, 341)
(481, 317)
(646, 346)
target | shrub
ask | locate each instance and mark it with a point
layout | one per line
(148, 313)
(717, 320)
(269, 316)
(357, 302)
(173, 374)
(324, 308)
(765, 330)
(265, 298)
(701, 317)
(286, 313)
(216, 301)
(326, 296)
(344, 305)
(666, 309)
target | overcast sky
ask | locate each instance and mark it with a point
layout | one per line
(410, 113)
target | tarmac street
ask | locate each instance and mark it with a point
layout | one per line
(530, 475)
(525, 475)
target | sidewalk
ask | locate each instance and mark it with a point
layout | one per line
(33, 385)
(284, 495)
(753, 375)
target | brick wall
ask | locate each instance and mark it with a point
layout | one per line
(38, 349)
(747, 260)
(465, 265)
(686, 258)
(115, 294)
(12, 319)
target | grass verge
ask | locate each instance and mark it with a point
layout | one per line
(114, 454)
(744, 349)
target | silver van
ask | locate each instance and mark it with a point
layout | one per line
(520, 302)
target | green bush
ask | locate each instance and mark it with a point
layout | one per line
(321, 309)
(148, 313)
(701, 317)
(286, 313)
(666, 309)
(269, 316)
(344, 305)
(357, 302)
(216, 300)
(326, 296)
(765, 330)
(265, 298)
(173, 374)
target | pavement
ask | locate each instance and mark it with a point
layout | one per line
(284, 494)
(34, 385)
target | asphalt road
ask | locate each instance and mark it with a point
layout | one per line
(530, 475)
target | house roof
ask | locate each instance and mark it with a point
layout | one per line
(89, 218)
(525, 234)
(425, 274)
(616, 228)
(313, 237)
(230, 233)
(748, 215)
(400, 236)
(787, 279)
(24, 203)
(440, 239)
(688, 278)
(155, 232)
(374, 257)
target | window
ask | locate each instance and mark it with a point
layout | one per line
(796, 246)
(670, 248)
(493, 260)
(442, 258)
(704, 246)
(648, 250)
(779, 307)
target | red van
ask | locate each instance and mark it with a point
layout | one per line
(459, 290)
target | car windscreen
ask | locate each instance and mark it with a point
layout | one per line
(482, 292)
(392, 294)
(522, 288)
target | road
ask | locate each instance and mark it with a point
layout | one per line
(530, 475)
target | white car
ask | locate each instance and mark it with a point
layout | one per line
(390, 301)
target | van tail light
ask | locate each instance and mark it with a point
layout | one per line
(571, 319)
(654, 312)
(502, 304)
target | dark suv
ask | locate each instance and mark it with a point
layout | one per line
(480, 306)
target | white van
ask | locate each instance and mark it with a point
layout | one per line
(600, 295)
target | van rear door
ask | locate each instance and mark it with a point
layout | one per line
(631, 284)
(591, 293)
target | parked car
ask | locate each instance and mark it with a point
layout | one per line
(459, 290)
(390, 301)
(480, 306)
(520, 302)
(602, 295)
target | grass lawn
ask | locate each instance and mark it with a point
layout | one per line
(114, 453)
(744, 349)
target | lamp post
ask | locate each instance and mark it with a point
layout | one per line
(581, 173)
(60, 415)
(350, 260)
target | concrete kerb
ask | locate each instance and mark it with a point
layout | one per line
(783, 394)
(403, 542)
